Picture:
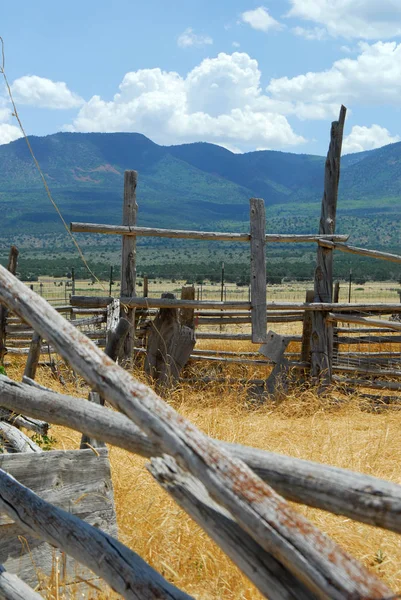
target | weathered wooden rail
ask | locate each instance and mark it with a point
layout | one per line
(280, 551)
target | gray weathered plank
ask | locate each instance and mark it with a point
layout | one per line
(121, 568)
(258, 270)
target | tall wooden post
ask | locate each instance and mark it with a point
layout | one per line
(258, 270)
(128, 260)
(12, 267)
(322, 332)
(307, 329)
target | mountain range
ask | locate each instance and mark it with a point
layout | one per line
(197, 186)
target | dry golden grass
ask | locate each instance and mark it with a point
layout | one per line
(304, 426)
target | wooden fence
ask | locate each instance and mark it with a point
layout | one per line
(236, 494)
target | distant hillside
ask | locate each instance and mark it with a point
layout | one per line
(194, 185)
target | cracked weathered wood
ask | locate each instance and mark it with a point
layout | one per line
(121, 568)
(307, 330)
(269, 576)
(334, 317)
(322, 332)
(13, 588)
(324, 567)
(76, 481)
(169, 346)
(187, 314)
(116, 338)
(128, 257)
(15, 440)
(103, 301)
(197, 235)
(258, 269)
(86, 440)
(33, 356)
(354, 495)
(395, 258)
(18, 421)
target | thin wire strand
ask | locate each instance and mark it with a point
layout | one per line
(47, 189)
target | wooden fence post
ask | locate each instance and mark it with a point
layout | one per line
(187, 314)
(258, 270)
(12, 267)
(307, 329)
(33, 356)
(128, 259)
(322, 331)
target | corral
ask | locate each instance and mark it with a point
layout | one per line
(225, 488)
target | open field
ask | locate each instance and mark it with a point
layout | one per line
(59, 290)
(304, 426)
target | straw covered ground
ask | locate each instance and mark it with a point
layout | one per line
(326, 430)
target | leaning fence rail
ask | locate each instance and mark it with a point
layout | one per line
(232, 494)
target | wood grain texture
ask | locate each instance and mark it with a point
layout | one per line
(15, 440)
(270, 577)
(258, 270)
(128, 257)
(13, 588)
(204, 305)
(354, 495)
(322, 332)
(169, 346)
(307, 329)
(395, 258)
(33, 357)
(196, 235)
(124, 570)
(322, 565)
(364, 321)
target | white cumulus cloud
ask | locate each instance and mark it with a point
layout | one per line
(8, 132)
(44, 93)
(189, 38)
(367, 138)
(314, 33)
(365, 19)
(260, 19)
(219, 101)
(372, 78)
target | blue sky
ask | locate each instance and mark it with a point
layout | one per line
(237, 73)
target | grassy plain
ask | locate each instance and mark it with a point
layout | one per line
(302, 426)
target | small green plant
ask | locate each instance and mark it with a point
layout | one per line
(379, 557)
(46, 442)
(2, 370)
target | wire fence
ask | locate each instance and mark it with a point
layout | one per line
(59, 291)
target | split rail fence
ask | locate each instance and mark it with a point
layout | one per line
(237, 494)
(322, 354)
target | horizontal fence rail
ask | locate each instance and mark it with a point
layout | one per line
(310, 556)
(197, 235)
